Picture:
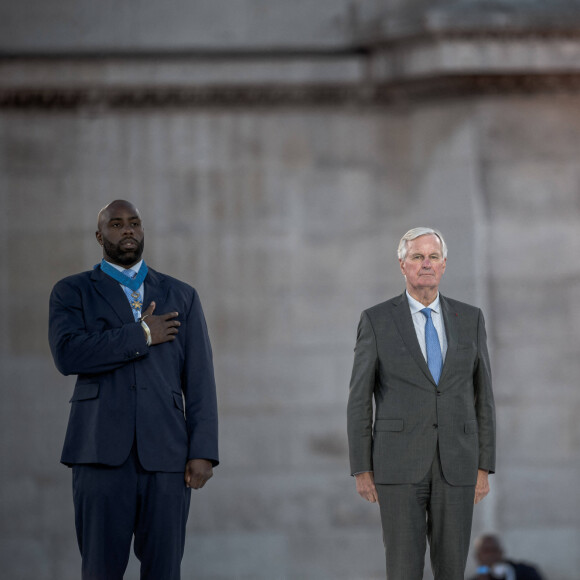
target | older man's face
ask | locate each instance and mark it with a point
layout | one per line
(424, 264)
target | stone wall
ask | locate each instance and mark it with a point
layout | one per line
(287, 224)
(278, 184)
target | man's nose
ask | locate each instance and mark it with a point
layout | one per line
(426, 263)
(127, 229)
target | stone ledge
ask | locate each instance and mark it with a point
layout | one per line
(466, 54)
(187, 70)
(428, 67)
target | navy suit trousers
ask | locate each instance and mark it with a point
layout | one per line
(115, 504)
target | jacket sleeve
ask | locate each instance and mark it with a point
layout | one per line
(484, 403)
(76, 350)
(198, 385)
(360, 399)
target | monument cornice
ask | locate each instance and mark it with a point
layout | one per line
(223, 97)
(435, 65)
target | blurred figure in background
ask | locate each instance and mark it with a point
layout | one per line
(492, 564)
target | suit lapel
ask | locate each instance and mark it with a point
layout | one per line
(112, 292)
(404, 321)
(156, 289)
(452, 333)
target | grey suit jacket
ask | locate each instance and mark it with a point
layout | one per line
(413, 414)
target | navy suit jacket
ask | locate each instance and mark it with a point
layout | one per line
(163, 395)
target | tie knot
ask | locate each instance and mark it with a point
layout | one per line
(426, 312)
(129, 273)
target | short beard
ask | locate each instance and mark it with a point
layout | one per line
(121, 257)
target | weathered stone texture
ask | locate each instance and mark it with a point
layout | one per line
(176, 24)
(532, 191)
(287, 223)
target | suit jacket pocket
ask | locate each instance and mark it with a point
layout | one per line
(388, 424)
(178, 400)
(471, 427)
(84, 391)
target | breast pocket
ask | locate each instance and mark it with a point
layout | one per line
(466, 356)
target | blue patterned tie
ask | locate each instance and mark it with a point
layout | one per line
(434, 358)
(134, 297)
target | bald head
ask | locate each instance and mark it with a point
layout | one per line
(120, 233)
(103, 216)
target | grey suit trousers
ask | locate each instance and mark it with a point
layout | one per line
(433, 509)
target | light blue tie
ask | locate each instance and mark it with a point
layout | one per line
(134, 297)
(434, 358)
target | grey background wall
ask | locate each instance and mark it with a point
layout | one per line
(277, 153)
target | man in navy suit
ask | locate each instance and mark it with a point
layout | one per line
(142, 430)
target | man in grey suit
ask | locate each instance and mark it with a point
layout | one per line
(427, 455)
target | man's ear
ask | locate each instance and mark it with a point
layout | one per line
(99, 237)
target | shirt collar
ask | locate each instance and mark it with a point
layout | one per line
(135, 268)
(416, 306)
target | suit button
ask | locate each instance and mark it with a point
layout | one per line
(435, 425)
(438, 393)
(132, 387)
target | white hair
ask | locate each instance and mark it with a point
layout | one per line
(416, 233)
